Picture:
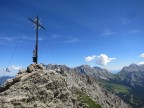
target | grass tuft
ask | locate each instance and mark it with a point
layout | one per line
(86, 99)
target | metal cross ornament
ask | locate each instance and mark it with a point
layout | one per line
(38, 26)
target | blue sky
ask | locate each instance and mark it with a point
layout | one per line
(109, 31)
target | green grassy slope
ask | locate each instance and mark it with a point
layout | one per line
(129, 94)
(86, 99)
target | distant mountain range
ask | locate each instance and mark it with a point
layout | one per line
(57, 86)
(4, 78)
(128, 84)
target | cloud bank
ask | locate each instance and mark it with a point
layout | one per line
(102, 59)
(13, 67)
(90, 58)
(141, 63)
(142, 55)
(12, 70)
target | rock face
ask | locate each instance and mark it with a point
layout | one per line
(133, 75)
(96, 72)
(55, 87)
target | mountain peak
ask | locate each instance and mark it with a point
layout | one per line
(133, 75)
(38, 87)
(133, 68)
(85, 66)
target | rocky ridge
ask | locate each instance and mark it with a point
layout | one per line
(55, 86)
(132, 75)
(96, 72)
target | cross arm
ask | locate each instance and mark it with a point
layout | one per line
(36, 23)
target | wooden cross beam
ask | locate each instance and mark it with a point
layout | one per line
(35, 52)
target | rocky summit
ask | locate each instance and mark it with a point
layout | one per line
(132, 75)
(56, 86)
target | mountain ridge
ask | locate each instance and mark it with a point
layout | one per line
(133, 75)
(56, 86)
(128, 84)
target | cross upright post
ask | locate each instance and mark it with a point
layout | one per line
(35, 52)
(37, 21)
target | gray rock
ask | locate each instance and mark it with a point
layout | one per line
(51, 89)
(34, 67)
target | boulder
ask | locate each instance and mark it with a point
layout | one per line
(34, 67)
(30, 68)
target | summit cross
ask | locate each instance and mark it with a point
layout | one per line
(38, 25)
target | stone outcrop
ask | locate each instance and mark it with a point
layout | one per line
(59, 87)
(34, 67)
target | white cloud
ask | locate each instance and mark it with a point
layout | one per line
(108, 32)
(4, 39)
(8, 39)
(71, 40)
(133, 31)
(55, 36)
(90, 58)
(13, 67)
(65, 39)
(32, 38)
(12, 70)
(129, 19)
(103, 59)
(142, 55)
(141, 63)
